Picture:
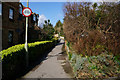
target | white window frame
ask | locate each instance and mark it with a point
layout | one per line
(20, 8)
(34, 17)
(11, 14)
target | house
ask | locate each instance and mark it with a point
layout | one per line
(13, 24)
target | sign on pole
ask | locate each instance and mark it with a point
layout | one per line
(26, 12)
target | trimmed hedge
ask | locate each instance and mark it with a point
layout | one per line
(14, 58)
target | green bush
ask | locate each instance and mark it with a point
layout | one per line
(14, 58)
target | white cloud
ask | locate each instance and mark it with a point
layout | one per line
(42, 18)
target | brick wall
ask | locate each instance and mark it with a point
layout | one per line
(17, 25)
(9, 25)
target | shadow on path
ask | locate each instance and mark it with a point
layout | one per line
(61, 43)
(38, 62)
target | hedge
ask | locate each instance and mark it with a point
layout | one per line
(14, 58)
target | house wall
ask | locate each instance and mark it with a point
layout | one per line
(9, 25)
(17, 25)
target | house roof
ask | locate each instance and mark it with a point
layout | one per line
(24, 7)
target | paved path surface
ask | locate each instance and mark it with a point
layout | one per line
(51, 67)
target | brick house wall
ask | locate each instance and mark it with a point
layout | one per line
(15, 26)
(9, 25)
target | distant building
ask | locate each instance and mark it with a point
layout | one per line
(56, 35)
(13, 24)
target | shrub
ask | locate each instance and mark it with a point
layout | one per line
(14, 58)
(96, 43)
(87, 26)
(95, 66)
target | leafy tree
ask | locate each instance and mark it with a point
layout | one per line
(48, 29)
(86, 25)
(59, 28)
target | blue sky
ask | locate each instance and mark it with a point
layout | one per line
(47, 10)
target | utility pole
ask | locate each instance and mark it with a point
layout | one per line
(26, 34)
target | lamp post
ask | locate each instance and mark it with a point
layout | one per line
(26, 34)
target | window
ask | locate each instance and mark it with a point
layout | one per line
(10, 37)
(0, 8)
(10, 13)
(34, 17)
(37, 16)
(20, 9)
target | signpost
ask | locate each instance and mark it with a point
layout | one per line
(26, 12)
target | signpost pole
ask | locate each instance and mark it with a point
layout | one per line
(26, 44)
